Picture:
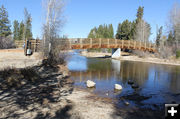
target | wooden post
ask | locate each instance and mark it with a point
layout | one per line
(134, 44)
(116, 43)
(140, 45)
(81, 43)
(122, 43)
(145, 45)
(90, 42)
(129, 43)
(35, 45)
(100, 43)
(25, 47)
(108, 42)
(69, 43)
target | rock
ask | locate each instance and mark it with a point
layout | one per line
(118, 87)
(135, 86)
(90, 84)
(130, 82)
(126, 103)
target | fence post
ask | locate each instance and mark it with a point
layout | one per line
(116, 43)
(108, 42)
(90, 42)
(134, 44)
(69, 43)
(129, 43)
(100, 43)
(122, 43)
(35, 45)
(81, 43)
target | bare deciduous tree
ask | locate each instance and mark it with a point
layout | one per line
(142, 31)
(51, 29)
(6, 42)
(175, 23)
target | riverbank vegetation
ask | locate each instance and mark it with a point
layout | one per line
(166, 41)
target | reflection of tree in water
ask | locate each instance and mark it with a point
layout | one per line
(136, 71)
(103, 69)
(170, 76)
(100, 69)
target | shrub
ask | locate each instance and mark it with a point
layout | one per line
(177, 53)
(6, 42)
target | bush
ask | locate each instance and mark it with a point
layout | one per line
(6, 42)
(177, 53)
(57, 54)
(12, 77)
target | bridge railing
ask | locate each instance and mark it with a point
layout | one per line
(85, 43)
(110, 43)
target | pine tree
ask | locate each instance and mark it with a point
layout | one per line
(133, 30)
(111, 31)
(118, 31)
(21, 31)
(142, 28)
(4, 23)
(140, 13)
(124, 30)
(158, 37)
(28, 26)
(16, 30)
(93, 33)
(170, 39)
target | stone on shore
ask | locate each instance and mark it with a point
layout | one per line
(90, 84)
(118, 87)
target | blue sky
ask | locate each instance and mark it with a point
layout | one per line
(82, 15)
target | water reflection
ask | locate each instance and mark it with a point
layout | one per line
(161, 82)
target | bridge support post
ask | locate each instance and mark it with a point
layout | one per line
(116, 52)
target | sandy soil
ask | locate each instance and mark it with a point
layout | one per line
(94, 54)
(128, 57)
(53, 96)
(16, 58)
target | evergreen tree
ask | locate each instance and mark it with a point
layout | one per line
(16, 30)
(133, 30)
(118, 31)
(111, 31)
(93, 33)
(158, 37)
(28, 26)
(4, 23)
(124, 30)
(140, 13)
(142, 28)
(170, 38)
(21, 31)
(103, 31)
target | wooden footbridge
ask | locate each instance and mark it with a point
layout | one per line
(88, 43)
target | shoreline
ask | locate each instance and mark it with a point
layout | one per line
(125, 57)
(50, 96)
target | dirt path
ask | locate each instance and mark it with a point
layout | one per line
(16, 58)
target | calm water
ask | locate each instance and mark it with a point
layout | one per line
(158, 84)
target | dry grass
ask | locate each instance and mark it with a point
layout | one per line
(14, 78)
